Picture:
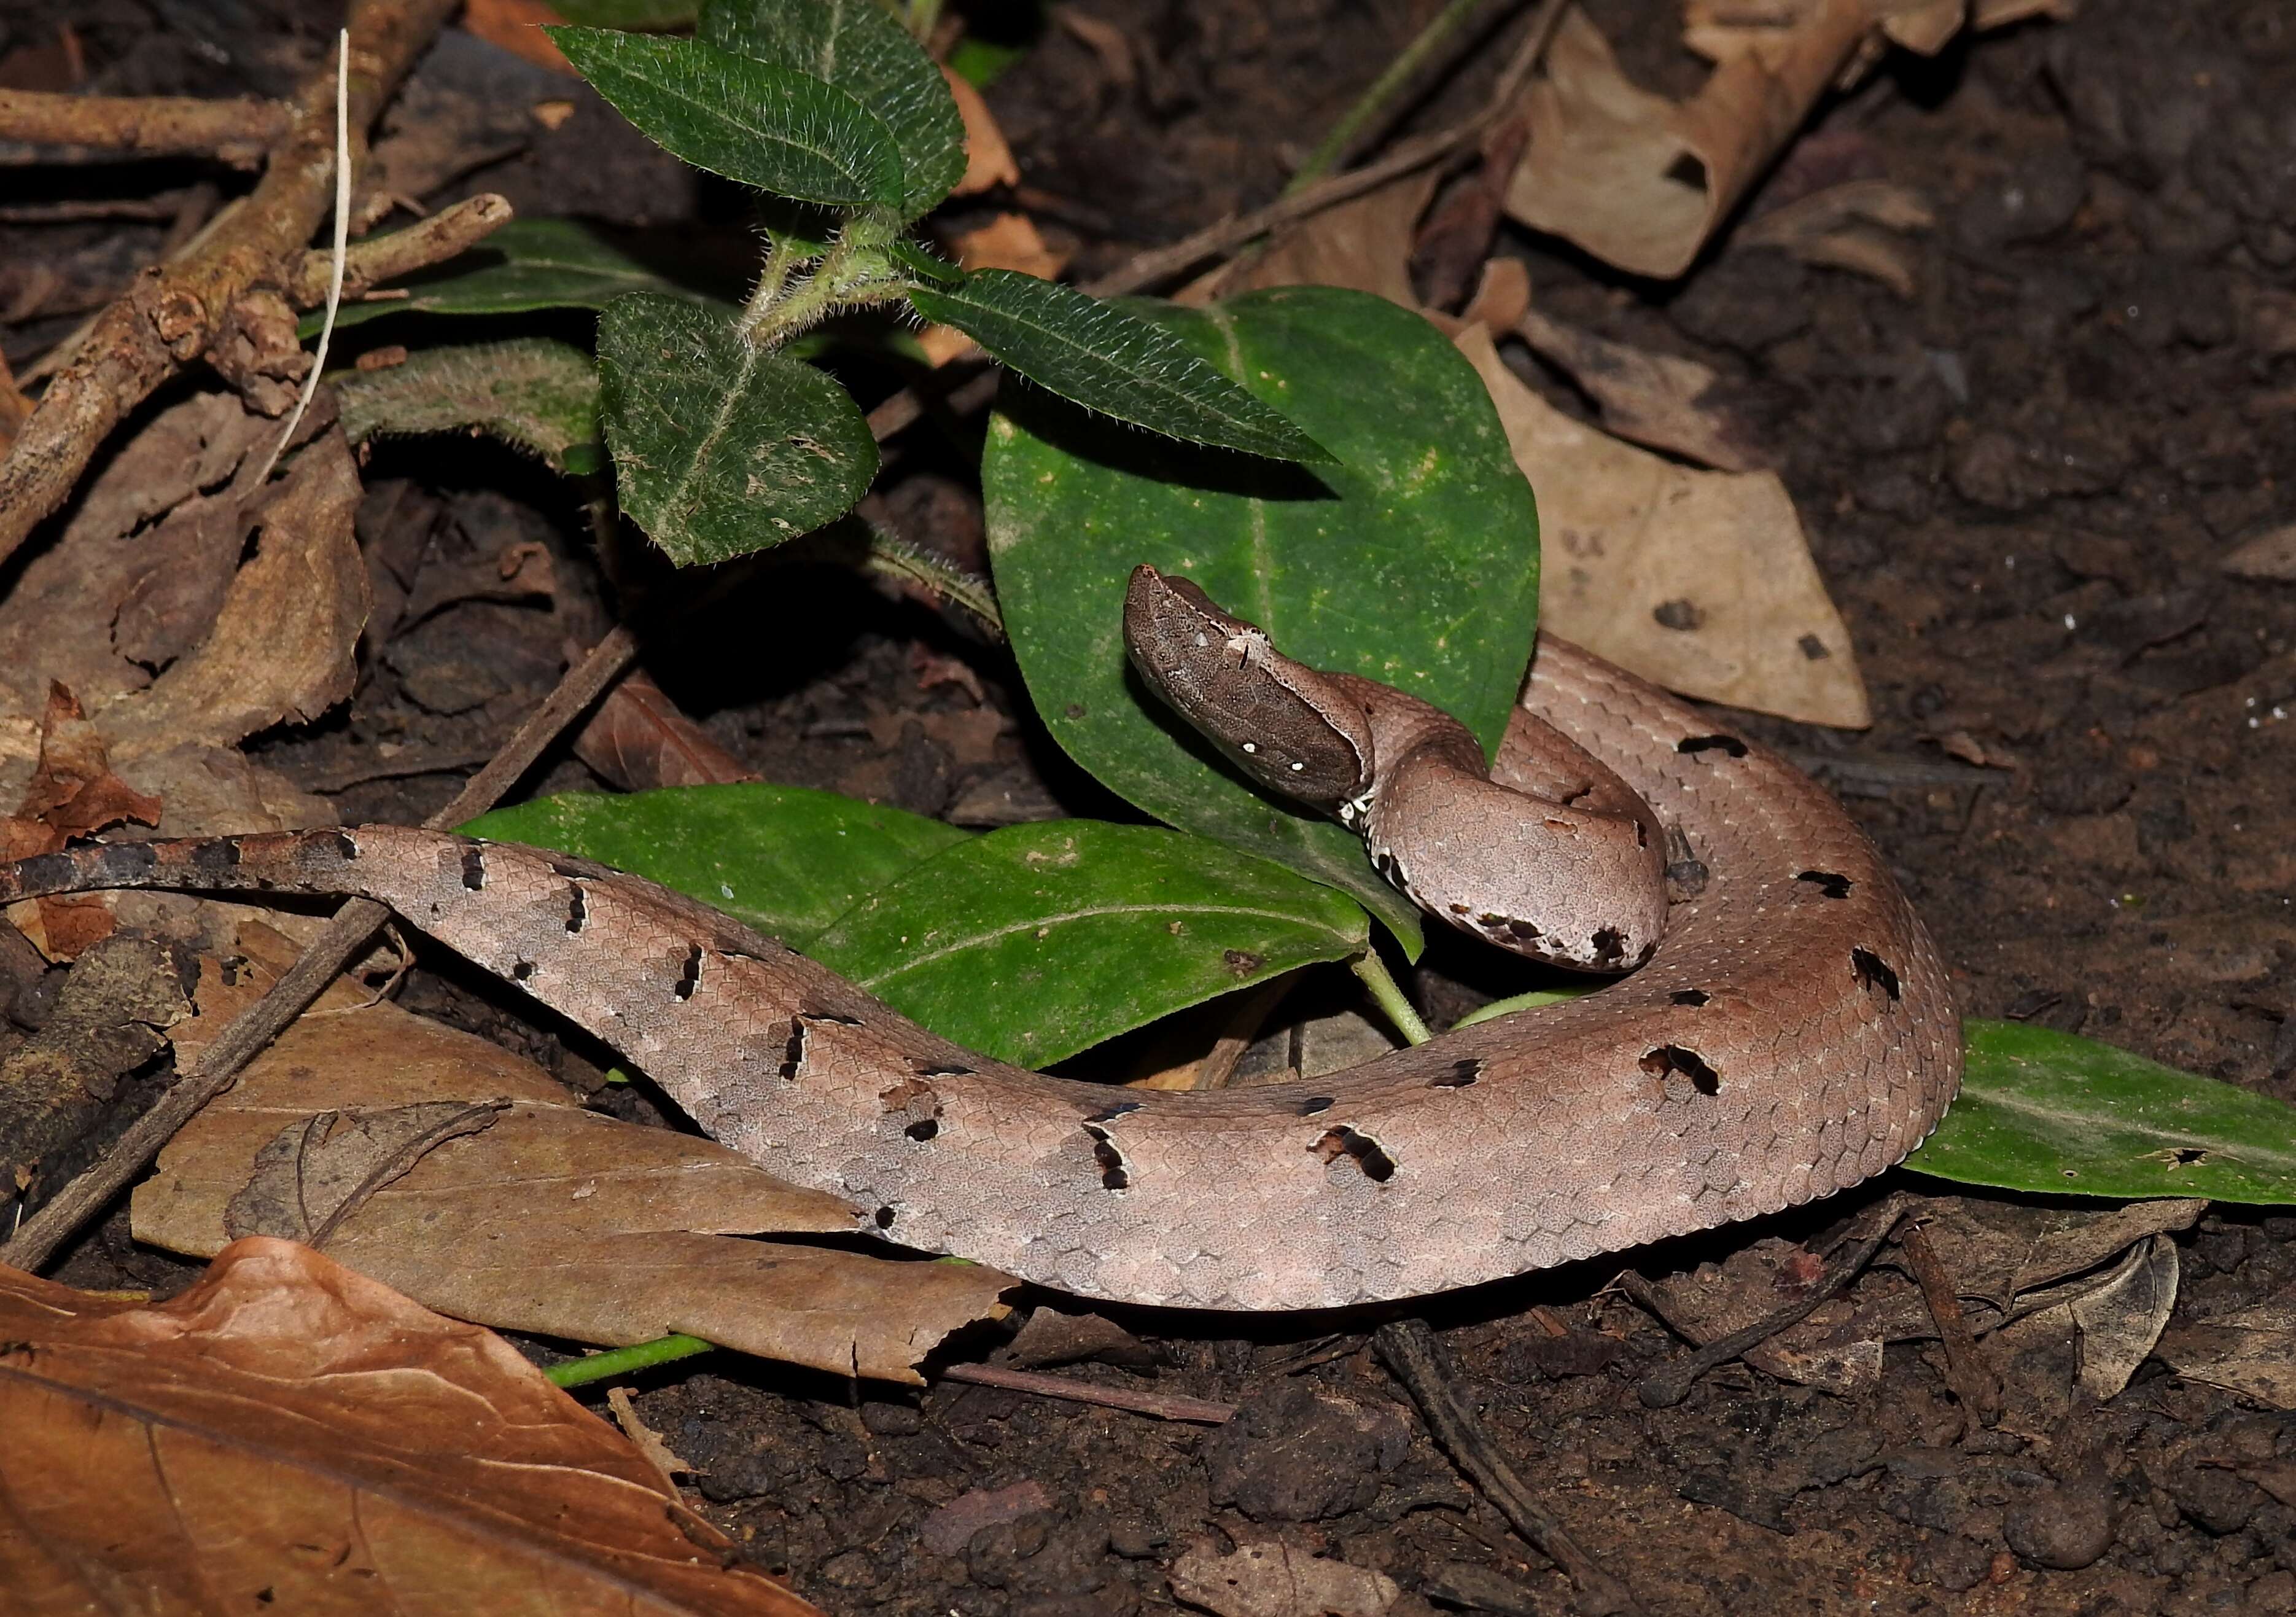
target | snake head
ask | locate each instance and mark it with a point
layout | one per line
(1290, 729)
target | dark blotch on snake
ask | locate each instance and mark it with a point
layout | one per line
(221, 854)
(1691, 997)
(690, 978)
(1832, 885)
(1688, 1064)
(923, 1129)
(474, 867)
(1695, 744)
(1364, 1151)
(1315, 1103)
(1874, 972)
(1112, 1173)
(1462, 1075)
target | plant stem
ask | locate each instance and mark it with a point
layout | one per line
(626, 1361)
(1390, 995)
(781, 257)
(1376, 101)
(857, 271)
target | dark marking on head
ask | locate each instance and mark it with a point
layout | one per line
(689, 979)
(1113, 1113)
(923, 1129)
(1832, 885)
(1874, 972)
(1364, 1151)
(1113, 1174)
(1316, 1104)
(1695, 744)
(522, 971)
(577, 907)
(1608, 945)
(346, 847)
(944, 1071)
(884, 1218)
(1688, 878)
(793, 1051)
(1691, 997)
(219, 855)
(1462, 1075)
(474, 867)
(1688, 1064)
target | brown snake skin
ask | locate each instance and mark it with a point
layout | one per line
(1793, 1034)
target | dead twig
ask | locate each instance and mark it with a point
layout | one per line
(238, 132)
(1671, 1383)
(444, 234)
(1163, 1406)
(1408, 1348)
(247, 1034)
(1967, 1370)
(171, 314)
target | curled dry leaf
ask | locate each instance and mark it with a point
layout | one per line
(639, 739)
(1642, 182)
(1857, 226)
(2121, 1322)
(551, 1218)
(292, 1434)
(1659, 399)
(1701, 581)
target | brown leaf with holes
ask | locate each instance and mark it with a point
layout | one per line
(289, 1427)
(550, 1219)
(1662, 400)
(1701, 581)
(639, 739)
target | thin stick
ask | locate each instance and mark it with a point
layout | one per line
(1968, 1369)
(246, 1035)
(334, 257)
(239, 132)
(1164, 1405)
(1408, 1348)
(1379, 99)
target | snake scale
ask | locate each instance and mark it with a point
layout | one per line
(1792, 1033)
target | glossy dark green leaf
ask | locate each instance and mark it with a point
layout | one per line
(856, 45)
(531, 393)
(721, 448)
(770, 126)
(1414, 561)
(1037, 941)
(785, 861)
(2044, 1111)
(528, 263)
(1109, 358)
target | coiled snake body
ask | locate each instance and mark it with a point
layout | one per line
(1793, 1033)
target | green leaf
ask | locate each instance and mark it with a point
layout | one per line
(920, 261)
(782, 859)
(856, 45)
(528, 263)
(1110, 360)
(1414, 561)
(648, 14)
(721, 448)
(1037, 941)
(2044, 1111)
(533, 394)
(780, 130)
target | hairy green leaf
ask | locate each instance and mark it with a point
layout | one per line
(782, 860)
(770, 126)
(1110, 359)
(2045, 1111)
(856, 45)
(721, 448)
(531, 393)
(1037, 941)
(1413, 561)
(528, 263)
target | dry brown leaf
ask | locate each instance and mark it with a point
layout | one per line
(516, 26)
(1857, 226)
(289, 1427)
(1365, 244)
(2268, 555)
(2251, 1351)
(2121, 1322)
(1699, 580)
(988, 160)
(1454, 241)
(1656, 399)
(1501, 298)
(282, 647)
(1274, 1580)
(639, 739)
(552, 1219)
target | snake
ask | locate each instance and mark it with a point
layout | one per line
(1780, 1026)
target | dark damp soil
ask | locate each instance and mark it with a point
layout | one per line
(2019, 483)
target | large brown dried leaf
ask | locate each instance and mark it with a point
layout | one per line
(1701, 581)
(639, 739)
(2251, 1351)
(1659, 399)
(551, 1220)
(282, 647)
(289, 1435)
